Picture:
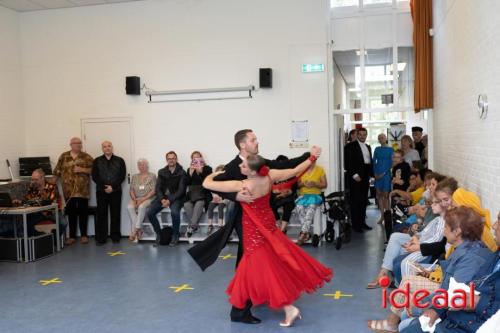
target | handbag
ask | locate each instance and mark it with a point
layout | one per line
(196, 193)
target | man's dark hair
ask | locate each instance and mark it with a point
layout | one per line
(240, 136)
(362, 129)
(170, 153)
(417, 129)
(281, 158)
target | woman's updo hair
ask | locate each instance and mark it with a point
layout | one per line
(255, 162)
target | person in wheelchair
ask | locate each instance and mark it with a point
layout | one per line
(310, 184)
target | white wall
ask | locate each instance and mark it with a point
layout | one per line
(75, 62)
(12, 125)
(466, 64)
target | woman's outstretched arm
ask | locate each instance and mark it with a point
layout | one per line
(279, 175)
(227, 186)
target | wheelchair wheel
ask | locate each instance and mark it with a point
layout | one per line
(330, 232)
(330, 236)
(315, 240)
(346, 232)
(338, 243)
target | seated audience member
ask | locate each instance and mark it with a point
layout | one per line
(310, 185)
(74, 168)
(444, 192)
(470, 260)
(142, 192)
(477, 318)
(197, 197)
(403, 244)
(170, 193)
(462, 197)
(411, 155)
(219, 203)
(420, 214)
(414, 192)
(401, 172)
(40, 193)
(283, 194)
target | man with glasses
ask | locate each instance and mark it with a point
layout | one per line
(170, 193)
(74, 167)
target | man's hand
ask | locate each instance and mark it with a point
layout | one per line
(433, 315)
(245, 195)
(108, 189)
(357, 178)
(315, 151)
(165, 203)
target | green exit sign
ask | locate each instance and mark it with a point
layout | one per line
(313, 68)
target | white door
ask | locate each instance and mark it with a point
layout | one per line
(119, 132)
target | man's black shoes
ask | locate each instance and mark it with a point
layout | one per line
(246, 320)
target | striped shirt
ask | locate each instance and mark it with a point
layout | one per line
(433, 232)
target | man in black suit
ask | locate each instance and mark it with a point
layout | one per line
(206, 252)
(358, 165)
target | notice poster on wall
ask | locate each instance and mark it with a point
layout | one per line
(300, 134)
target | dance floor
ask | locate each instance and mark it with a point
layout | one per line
(138, 288)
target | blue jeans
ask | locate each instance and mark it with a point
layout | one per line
(394, 249)
(396, 268)
(175, 212)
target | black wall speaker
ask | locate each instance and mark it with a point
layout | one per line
(265, 77)
(133, 85)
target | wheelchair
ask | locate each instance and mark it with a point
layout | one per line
(338, 220)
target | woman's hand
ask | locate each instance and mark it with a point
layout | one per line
(310, 184)
(433, 315)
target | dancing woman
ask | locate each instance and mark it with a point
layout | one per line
(273, 270)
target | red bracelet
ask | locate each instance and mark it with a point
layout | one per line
(312, 158)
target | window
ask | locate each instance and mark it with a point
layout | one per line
(343, 3)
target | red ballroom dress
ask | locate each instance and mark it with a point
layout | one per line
(273, 270)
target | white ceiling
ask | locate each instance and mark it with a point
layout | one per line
(31, 5)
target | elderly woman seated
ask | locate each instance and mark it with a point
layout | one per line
(475, 318)
(142, 191)
(470, 260)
